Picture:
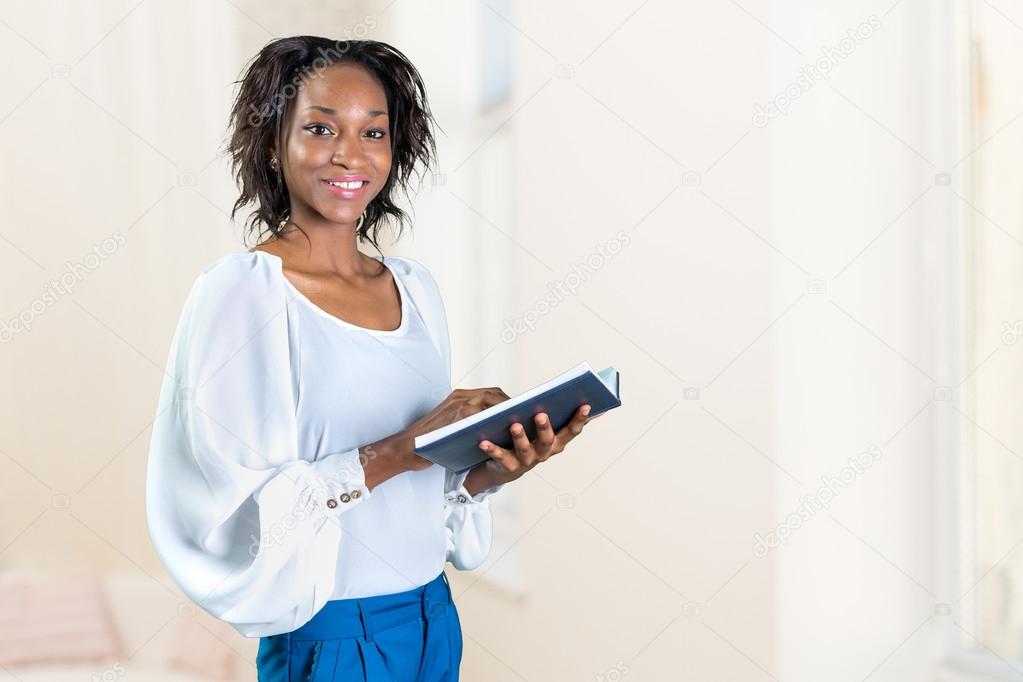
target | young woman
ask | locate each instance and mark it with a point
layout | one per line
(283, 495)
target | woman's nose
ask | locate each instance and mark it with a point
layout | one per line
(346, 151)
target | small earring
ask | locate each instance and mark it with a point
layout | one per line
(362, 219)
(274, 163)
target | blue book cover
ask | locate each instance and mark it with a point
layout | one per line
(456, 446)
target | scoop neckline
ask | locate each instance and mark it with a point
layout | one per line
(399, 330)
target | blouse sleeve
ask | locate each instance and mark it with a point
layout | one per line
(247, 527)
(468, 520)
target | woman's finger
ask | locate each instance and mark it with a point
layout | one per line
(495, 395)
(523, 450)
(505, 458)
(544, 430)
(543, 444)
(573, 428)
(501, 394)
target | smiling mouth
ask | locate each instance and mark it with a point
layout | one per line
(358, 184)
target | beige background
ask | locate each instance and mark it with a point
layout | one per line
(789, 296)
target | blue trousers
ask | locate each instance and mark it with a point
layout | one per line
(411, 636)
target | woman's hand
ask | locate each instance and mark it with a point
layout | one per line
(507, 465)
(460, 403)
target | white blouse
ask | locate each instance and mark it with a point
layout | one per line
(255, 494)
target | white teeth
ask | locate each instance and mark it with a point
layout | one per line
(347, 185)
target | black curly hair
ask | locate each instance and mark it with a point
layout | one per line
(262, 109)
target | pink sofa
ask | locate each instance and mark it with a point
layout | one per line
(79, 625)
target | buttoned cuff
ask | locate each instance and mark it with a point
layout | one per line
(456, 493)
(344, 482)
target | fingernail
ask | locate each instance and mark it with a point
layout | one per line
(586, 410)
(484, 445)
(542, 420)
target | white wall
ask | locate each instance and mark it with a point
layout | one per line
(856, 202)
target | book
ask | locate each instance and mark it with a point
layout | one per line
(456, 445)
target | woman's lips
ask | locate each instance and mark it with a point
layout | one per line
(344, 193)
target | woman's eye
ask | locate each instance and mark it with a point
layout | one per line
(376, 134)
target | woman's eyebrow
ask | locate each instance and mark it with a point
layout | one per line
(333, 112)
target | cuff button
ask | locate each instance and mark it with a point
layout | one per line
(345, 497)
(356, 494)
(462, 498)
(332, 503)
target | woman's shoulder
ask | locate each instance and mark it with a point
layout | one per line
(238, 267)
(236, 279)
(427, 297)
(409, 268)
(237, 263)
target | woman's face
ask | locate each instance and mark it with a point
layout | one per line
(338, 133)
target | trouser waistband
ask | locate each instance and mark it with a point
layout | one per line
(364, 616)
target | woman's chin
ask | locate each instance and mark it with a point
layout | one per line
(341, 217)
